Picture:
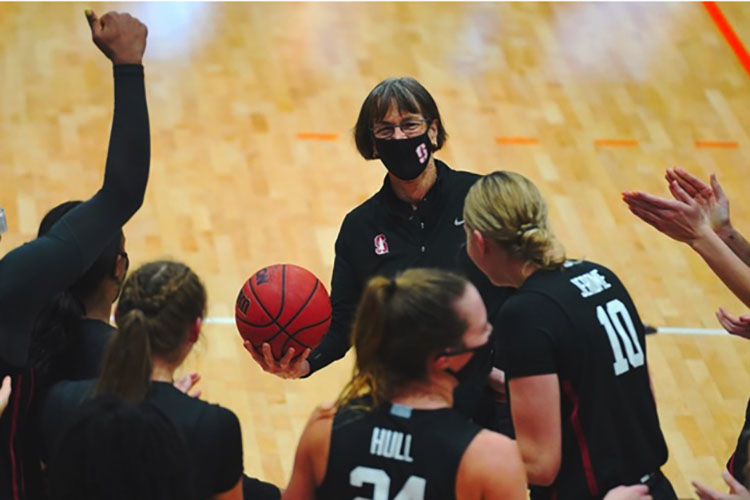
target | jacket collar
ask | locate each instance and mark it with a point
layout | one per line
(431, 200)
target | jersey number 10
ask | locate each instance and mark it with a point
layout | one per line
(610, 320)
(413, 488)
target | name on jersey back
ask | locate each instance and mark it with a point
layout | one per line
(388, 443)
(590, 283)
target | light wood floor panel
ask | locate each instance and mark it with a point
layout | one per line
(234, 186)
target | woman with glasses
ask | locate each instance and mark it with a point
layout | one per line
(393, 432)
(574, 350)
(414, 220)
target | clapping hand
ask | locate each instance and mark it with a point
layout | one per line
(187, 382)
(712, 199)
(736, 490)
(739, 326)
(683, 219)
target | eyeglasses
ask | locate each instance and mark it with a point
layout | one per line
(410, 128)
(462, 350)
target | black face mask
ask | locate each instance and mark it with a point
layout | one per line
(405, 158)
(476, 366)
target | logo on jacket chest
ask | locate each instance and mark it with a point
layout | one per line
(381, 245)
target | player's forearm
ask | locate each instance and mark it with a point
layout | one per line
(732, 271)
(736, 242)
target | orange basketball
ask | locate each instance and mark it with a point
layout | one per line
(284, 305)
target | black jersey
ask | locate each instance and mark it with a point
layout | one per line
(211, 432)
(580, 323)
(395, 451)
(737, 464)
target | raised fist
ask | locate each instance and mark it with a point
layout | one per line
(121, 37)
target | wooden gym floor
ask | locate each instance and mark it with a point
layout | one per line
(253, 163)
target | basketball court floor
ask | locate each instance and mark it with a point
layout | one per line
(253, 163)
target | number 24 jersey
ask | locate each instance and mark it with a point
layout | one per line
(395, 453)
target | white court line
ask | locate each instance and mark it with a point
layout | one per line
(220, 321)
(678, 330)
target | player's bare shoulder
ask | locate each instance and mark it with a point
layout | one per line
(491, 468)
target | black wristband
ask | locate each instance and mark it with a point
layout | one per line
(128, 70)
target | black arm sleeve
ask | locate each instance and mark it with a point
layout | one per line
(34, 272)
(345, 292)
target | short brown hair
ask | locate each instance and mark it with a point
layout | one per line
(409, 95)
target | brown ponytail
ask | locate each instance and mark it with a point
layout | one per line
(159, 303)
(128, 364)
(399, 324)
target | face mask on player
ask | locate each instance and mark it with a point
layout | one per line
(470, 368)
(405, 158)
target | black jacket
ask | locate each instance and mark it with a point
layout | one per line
(385, 235)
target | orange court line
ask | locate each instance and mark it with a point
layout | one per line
(729, 35)
(316, 136)
(716, 144)
(526, 141)
(616, 142)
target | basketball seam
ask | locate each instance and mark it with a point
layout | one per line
(296, 315)
(254, 325)
(274, 320)
(281, 306)
(297, 332)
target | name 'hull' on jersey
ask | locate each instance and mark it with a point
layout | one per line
(395, 452)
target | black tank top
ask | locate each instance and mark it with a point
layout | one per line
(395, 452)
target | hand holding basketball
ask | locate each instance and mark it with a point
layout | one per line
(282, 313)
(288, 367)
(121, 37)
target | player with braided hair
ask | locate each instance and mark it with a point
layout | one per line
(159, 317)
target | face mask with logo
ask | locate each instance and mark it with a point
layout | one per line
(405, 158)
